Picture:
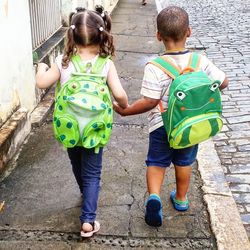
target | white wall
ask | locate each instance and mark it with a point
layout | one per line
(16, 70)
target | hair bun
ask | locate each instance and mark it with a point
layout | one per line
(99, 9)
(80, 9)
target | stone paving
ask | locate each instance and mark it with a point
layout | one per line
(222, 28)
(42, 199)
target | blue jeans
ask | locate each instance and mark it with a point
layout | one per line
(87, 166)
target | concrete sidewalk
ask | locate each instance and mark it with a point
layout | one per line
(42, 199)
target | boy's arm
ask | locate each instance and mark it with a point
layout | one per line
(140, 106)
(213, 71)
(224, 84)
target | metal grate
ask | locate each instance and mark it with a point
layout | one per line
(45, 19)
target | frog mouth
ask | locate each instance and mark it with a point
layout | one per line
(183, 108)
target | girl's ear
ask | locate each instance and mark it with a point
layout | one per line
(158, 35)
(189, 32)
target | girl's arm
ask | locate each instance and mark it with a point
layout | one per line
(46, 76)
(115, 85)
(140, 106)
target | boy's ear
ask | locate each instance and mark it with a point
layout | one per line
(189, 32)
(158, 35)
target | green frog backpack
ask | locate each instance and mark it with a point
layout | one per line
(83, 112)
(194, 104)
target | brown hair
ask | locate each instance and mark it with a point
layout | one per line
(88, 28)
(172, 23)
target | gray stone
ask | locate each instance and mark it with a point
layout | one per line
(242, 197)
(239, 119)
(238, 178)
(245, 218)
(247, 207)
(239, 169)
(240, 188)
(34, 245)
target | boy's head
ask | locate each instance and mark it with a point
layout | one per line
(173, 24)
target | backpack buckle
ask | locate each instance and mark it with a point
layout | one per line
(186, 70)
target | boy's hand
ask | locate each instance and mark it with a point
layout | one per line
(118, 109)
(138, 107)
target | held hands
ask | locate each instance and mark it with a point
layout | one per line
(121, 111)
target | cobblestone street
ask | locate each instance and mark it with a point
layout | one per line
(222, 28)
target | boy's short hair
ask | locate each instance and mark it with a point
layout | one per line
(172, 23)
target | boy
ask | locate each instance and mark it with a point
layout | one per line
(173, 30)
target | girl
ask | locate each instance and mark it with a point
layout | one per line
(89, 37)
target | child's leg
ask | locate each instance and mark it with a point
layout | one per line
(75, 156)
(155, 177)
(182, 160)
(158, 158)
(91, 175)
(182, 175)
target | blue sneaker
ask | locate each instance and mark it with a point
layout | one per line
(179, 205)
(153, 214)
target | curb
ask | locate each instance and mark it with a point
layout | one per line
(12, 136)
(39, 114)
(225, 219)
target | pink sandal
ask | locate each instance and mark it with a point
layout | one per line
(95, 228)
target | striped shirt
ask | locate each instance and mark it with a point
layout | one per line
(155, 82)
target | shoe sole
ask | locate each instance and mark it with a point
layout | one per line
(152, 217)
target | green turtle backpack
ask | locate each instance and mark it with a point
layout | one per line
(83, 112)
(194, 104)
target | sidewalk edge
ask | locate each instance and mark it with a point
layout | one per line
(225, 219)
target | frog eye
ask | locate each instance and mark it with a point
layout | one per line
(180, 95)
(214, 86)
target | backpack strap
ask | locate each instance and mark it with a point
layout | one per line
(76, 60)
(94, 69)
(194, 61)
(97, 68)
(166, 66)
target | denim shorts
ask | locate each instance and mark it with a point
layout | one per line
(161, 155)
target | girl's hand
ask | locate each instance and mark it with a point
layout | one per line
(42, 66)
(118, 109)
(138, 107)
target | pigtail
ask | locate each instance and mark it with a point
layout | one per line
(69, 48)
(106, 45)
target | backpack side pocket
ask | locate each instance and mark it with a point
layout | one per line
(66, 130)
(195, 130)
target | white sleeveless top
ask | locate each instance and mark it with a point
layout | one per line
(66, 73)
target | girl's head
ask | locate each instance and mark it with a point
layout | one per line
(88, 28)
